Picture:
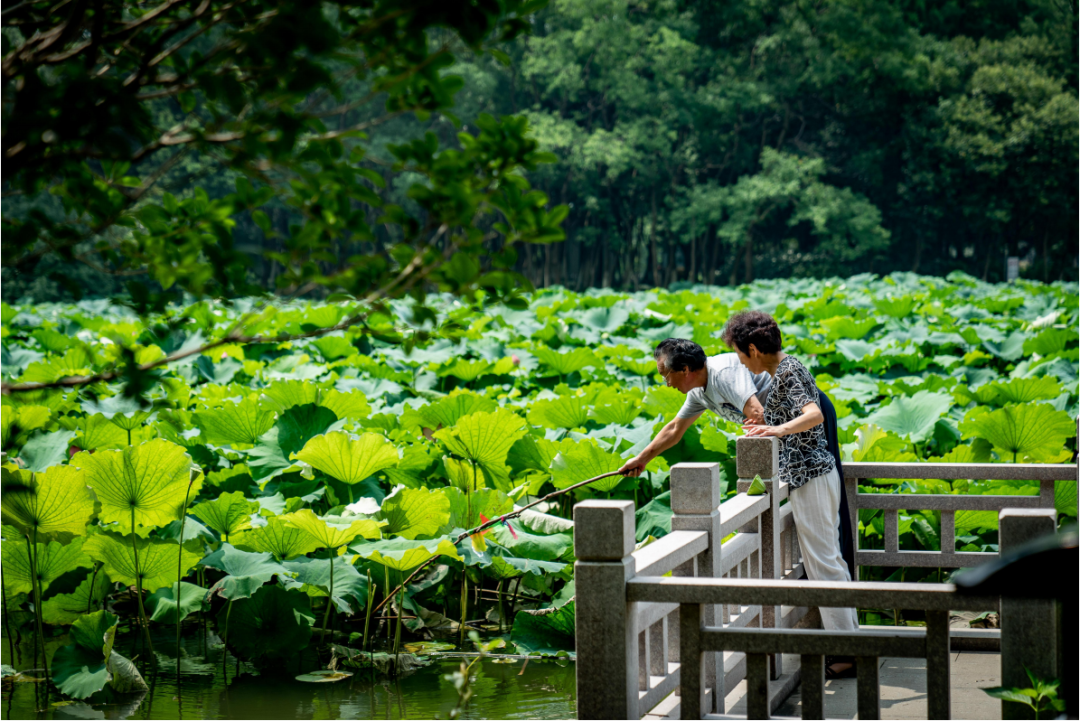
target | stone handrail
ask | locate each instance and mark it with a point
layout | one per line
(635, 637)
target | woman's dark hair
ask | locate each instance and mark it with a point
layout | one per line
(679, 353)
(752, 327)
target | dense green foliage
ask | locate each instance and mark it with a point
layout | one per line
(314, 475)
(709, 141)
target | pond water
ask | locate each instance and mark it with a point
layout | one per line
(213, 684)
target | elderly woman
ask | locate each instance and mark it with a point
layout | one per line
(792, 414)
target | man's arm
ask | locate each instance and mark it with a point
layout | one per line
(668, 436)
(754, 411)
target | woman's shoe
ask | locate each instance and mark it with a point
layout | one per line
(832, 674)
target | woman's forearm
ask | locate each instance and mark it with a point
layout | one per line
(811, 416)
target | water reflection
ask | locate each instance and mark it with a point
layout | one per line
(208, 682)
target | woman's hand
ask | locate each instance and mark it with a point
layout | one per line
(758, 431)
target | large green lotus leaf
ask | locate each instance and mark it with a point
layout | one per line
(1049, 340)
(246, 571)
(1025, 390)
(126, 413)
(603, 320)
(98, 433)
(64, 608)
(286, 394)
(412, 512)
(489, 502)
(312, 576)
(157, 561)
(161, 605)
(654, 518)
(508, 566)
(334, 531)
(1065, 497)
(349, 460)
(80, 670)
(465, 370)
(637, 366)
(535, 454)
(352, 405)
(1033, 429)
(227, 514)
(241, 422)
(663, 401)
(875, 444)
(484, 437)
(1010, 348)
(549, 632)
(278, 537)
(976, 520)
(275, 622)
(299, 424)
(845, 327)
(146, 483)
(584, 461)
(403, 555)
(533, 546)
(620, 411)
(565, 363)
(46, 449)
(411, 469)
(561, 412)
(332, 347)
(53, 560)
(267, 460)
(76, 362)
(466, 477)
(912, 417)
(55, 503)
(447, 411)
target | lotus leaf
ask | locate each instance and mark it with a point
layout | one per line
(46, 449)
(349, 460)
(449, 410)
(489, 502)
(561, 412)
(485, 438)
(410, 470)
(162, 603)
(548, 632)
(55, 504)
(80, 670)
(566, 362)
(53, 560)
(278, 537)
(533, 546)
(241, 422)
(98, 433)
(246, 572)
(227, 514)
(1049, 341)
(157, 559)
(64, 608)
(275, 622)
(404, 555)
(1035, 430)
(504, 567)
(331, 531)
(584, 461)
(912, 418)
(289, 393)
(145, 484)
(621, 411)
(126, 413)
(352, 405)
(312, 576)
(412, 512)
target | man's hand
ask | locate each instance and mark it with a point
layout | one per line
(634, 466)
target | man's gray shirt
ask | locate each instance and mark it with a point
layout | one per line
(728, 388)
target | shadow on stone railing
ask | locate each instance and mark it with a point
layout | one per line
(729, 610)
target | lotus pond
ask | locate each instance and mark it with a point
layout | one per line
(299, 503)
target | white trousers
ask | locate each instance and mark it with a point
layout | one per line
(816, 508)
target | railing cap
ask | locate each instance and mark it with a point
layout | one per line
(757, 457)
(695, 488)
(603, 530)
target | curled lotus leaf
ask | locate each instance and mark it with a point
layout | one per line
(331, 531)
(349, 460)
(227, 514)
(279, 538)
(412, 512)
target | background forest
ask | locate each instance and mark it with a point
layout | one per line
(720, 142)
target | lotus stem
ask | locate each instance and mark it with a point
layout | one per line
(179, 566)
(138, 587)
(330, 599)
(35, 585)
(389, 595)
(225, 640)
(129, 436)
(397, 625)
(513, 604)
(499, 594)
(93, 582)
(7, 623)
(464, 603)
(370, 606)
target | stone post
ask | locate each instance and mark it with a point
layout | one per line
(1029, 635)
(761, 457)
(695, 505)
(607, 648)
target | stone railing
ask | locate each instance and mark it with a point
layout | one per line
(635, 634)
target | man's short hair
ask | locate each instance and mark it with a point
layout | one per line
(679, 353)
(752, 327)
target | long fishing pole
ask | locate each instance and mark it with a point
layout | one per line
(494, 522)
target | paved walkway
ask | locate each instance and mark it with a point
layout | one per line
(903, 690)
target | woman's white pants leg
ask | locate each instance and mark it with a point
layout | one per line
(816, 508)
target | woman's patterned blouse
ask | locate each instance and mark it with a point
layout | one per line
(802, 455)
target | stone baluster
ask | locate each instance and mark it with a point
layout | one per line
(607, 639)
(695, 503)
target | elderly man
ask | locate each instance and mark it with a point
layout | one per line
(718, 383)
